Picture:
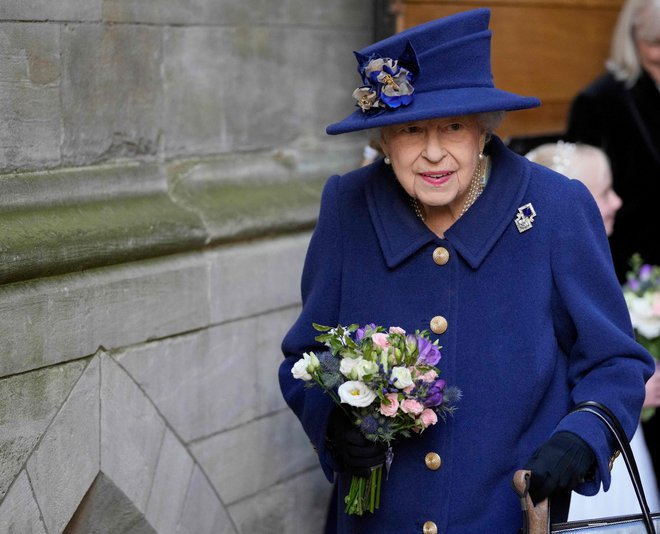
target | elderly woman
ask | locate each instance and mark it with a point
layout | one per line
(503, 260)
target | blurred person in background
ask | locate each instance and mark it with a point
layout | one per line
(590, 165)
(620, 112)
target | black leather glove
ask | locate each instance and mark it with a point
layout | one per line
(351, 450)
(560, 464)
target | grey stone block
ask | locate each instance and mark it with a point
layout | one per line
(203, 512)
(47, 10)
(298, 504)
(67, 317)
(258, 277)
(65, 463)
(31, 124)
(170, 485)
(19, 513)
(221, 89)
(329, 13)
(322, 100)
(131, 434)
(214, 379)
(105, 509)
(28, 403)
(250, 458)
(249, 87)
(104, 119)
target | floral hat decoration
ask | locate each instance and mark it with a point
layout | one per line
(387, 82)
(437, 69)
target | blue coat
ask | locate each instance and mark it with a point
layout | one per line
(536, 322)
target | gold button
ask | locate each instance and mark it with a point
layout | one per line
(430, 528)
(432, 461)
(438, 324)
(441, 255)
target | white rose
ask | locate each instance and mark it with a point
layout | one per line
(401, 377)
(356, 394)
(303, 367)
(642, 317)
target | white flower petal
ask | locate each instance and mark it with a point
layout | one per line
(356, 394)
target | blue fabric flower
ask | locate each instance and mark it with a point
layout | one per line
(387, 81)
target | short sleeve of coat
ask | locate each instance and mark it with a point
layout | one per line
(321, 290)
(605, 363)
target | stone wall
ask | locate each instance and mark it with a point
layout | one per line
(160, 171)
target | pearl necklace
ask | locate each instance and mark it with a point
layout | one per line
(477, 186)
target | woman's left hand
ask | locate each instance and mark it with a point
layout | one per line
(560, 464)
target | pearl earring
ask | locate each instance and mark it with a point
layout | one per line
(481, 156)
(387, 160)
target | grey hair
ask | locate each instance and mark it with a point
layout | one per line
(637, 19)
(490, 120)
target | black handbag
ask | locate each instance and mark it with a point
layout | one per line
(536, 519)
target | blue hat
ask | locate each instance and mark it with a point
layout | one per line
(437, 69)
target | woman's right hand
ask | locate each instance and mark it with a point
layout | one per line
(353, 452)
(652, 398)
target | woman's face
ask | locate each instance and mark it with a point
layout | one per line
(596, 175)
(648, 44)
(434, 159)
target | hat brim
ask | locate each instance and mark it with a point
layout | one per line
(436, 104)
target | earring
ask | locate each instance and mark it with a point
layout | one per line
(481, 156)
(387, 160)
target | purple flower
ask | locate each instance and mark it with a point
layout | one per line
(633, 284)
(645, 271)
(361, 332)
(428, 352)
(435, 394)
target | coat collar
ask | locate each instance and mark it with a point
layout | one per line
(401, 233)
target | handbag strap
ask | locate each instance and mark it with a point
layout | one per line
(615, 428)
(536, 519)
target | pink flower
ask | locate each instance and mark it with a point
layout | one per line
(428, 417)
(397, 330)
(389, 410)
(428, 376)
(412, 406)
(381, 340)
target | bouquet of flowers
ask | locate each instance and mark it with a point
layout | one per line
(387, 382)
(642, 294)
